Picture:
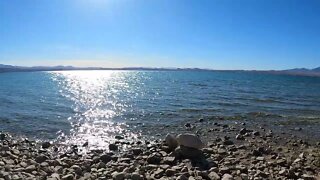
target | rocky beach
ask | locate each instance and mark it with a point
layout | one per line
(204, 149)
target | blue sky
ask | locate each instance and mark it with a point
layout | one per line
(216, 34)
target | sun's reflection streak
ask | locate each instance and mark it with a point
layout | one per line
(98, 97)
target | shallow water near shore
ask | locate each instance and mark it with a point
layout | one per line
(94, 106)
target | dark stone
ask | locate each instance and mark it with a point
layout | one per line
(227, 142)
(85, 144)
(46, 145)
(105, 158)
(243, 131)
(183, 152)
(256, 153)
(170, 172)
(137, 151)
(239, 137)
(154, 159)
(158, 174)
(41, 158)
(113, 147)
(282, 162)
(119, 137)
(2, 136)
(256, 133)
(187, 125)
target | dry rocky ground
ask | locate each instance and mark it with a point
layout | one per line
(231, 152)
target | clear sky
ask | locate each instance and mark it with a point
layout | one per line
(216, 34)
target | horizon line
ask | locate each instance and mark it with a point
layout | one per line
(152, 67)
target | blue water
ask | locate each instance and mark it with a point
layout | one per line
(89, 104)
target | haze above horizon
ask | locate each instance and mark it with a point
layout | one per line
(215, 34)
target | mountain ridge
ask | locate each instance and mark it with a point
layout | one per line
(295, 71)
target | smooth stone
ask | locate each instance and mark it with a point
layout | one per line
(15, 151)
(118, 176)
(30, 168)
(227, 177)
(68, 177)
(171, 141)
(15, 177)
(55, 175)
(260, 158)
(213, 176)
(190, 140)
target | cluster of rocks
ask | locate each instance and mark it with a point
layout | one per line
(248, 155)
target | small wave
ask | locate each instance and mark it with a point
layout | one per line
(191, 110)
(199, 110)
(263, 114)
(267, 100)
(198, 84)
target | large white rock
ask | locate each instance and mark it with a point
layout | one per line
(171, 141)
(190, 140)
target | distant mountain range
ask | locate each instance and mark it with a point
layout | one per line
(296, 71)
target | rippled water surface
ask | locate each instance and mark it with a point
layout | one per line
(95, 106)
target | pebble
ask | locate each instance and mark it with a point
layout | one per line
(253, 158)
(119, 176)
(41, 158)
(182, 177)
(227, 177)
(260, 158)
(30, 168)
(190, 140)
(136, 176)
(113, 147)
(119, 137)
(171, 141)
(154, 159)
(213, 176)
(105, 158)
(68, 177)
(46, 145)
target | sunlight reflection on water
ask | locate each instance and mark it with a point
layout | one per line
(97, 97)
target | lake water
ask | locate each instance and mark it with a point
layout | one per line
(96, 105)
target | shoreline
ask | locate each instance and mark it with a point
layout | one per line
(233, 151)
